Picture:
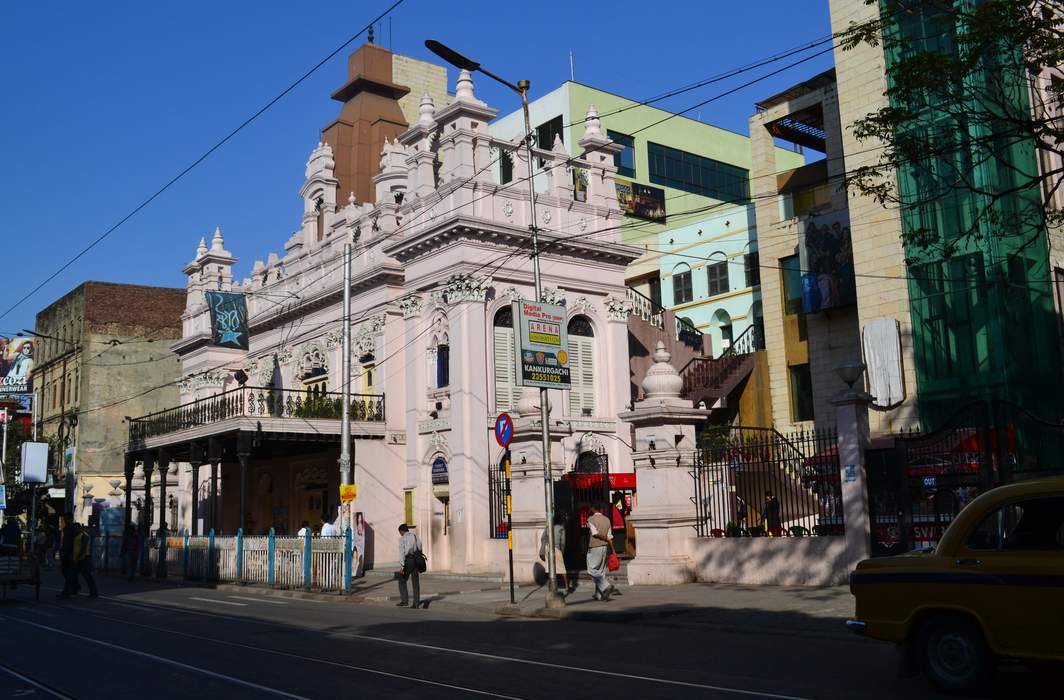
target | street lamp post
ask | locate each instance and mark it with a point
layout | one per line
(521, 88)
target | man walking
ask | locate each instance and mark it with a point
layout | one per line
(130, 551)
(772, 515)
(599, 546)
(327, 528)
(410, 560)
(75, 558)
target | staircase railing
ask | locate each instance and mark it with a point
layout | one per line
(713, 372)
(654, 314)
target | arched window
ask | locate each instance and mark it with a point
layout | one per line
(507, 393)
(682, 287)
(581, 367)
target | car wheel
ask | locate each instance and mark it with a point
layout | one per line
(953, 654)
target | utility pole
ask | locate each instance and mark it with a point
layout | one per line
(346, 465)
(459, 61)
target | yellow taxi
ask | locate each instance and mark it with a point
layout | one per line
(992, 587)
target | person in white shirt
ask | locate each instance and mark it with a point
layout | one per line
(304, 529)
(409, 545)
(328, 529)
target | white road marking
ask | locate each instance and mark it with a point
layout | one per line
(219, 602)
(161, 659)
(259, 600)
(35, 684)
(315, 660)
(579, 669)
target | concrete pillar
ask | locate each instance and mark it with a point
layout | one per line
(130, 467)
(164, 526)
(243, 454)
(665, 443)
(195, 460)
(851, 416)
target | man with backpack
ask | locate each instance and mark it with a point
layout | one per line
(74, 556)
(412, 561)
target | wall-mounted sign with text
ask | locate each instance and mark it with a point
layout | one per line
(643, 201)
(229, 319)
(542, 345)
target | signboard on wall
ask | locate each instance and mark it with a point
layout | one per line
(229, 319)
(642, 201)
(16, 365)
(825, 254)
(542, 355)
(439, 472)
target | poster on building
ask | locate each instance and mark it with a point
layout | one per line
(359, 543)
(16, 366)
(642, 201)
(229, 319)
(825, 254)
(542, 356)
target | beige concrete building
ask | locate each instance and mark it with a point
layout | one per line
(103, 352)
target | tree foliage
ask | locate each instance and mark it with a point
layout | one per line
(968, 144)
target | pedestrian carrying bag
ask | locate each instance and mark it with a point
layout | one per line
(612, 562)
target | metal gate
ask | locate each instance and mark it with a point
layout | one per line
(587, 485)
(918, 486)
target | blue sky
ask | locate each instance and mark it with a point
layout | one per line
(105, 102)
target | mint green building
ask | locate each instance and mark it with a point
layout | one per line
(675, 177)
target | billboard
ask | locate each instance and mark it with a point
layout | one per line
(826, 258)
(542, 355)
(642, 201)
(229, 319)
(16, 366)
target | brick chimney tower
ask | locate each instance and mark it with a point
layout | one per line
(369, 115)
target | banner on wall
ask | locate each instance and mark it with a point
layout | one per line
(229, 319)
(16, 366)
(359, 543)
(642, 201)
(825, 254)
(542, 355)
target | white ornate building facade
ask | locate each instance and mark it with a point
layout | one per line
(437, 260)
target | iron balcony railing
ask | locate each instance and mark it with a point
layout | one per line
(255, 402)
(713, 372)
(654, 314)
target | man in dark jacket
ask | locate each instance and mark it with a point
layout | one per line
(75, 559)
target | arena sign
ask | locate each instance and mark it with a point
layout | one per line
(542, 355)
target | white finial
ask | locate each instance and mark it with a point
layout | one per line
(217, 243)
(351, 199)
(592, 125)
(201, 249)
(427, 111)
(464, 89)
(662, 380)
(558, 145)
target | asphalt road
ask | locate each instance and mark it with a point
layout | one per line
(170, 642)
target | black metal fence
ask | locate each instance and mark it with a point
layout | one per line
(755, 482)
(250, 401)
(497, 500)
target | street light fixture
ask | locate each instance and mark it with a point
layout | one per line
(521, 88)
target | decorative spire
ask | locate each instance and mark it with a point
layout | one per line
(559, 145)
(592, 125)
(662, 380)
(371, 33)
(201, 249)
(217, 243)
(427, 111)
(464, 89)
(351, 201)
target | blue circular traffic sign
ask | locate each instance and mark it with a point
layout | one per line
(504, 429)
